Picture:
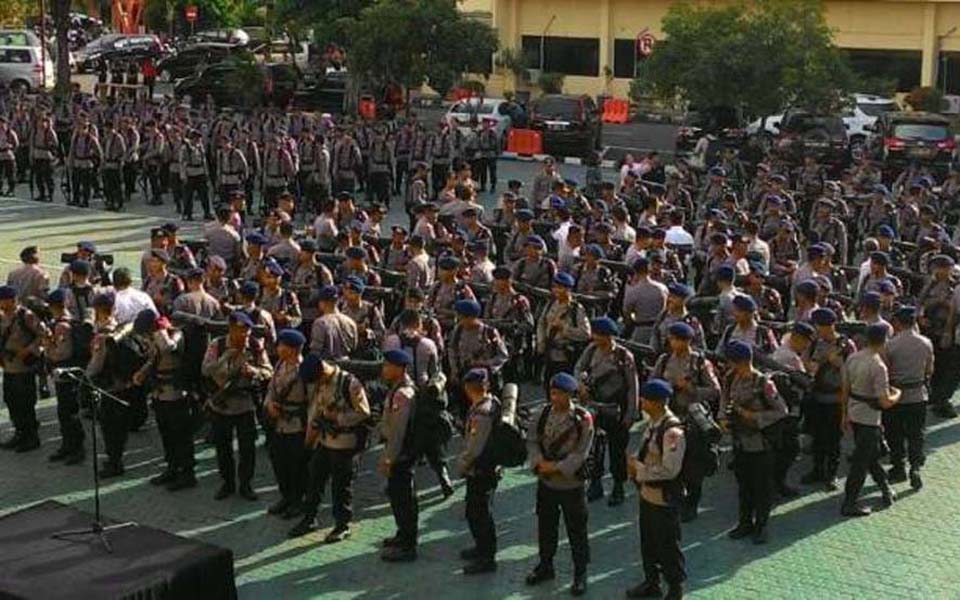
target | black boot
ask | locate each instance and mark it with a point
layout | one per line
(182, 481)
(647, 589)
(594, 491)
(163, 478)
(897, 474)
(616, 496)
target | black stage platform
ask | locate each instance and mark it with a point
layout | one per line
(146, 564)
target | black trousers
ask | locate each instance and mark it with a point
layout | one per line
(153, 178)
(344, 184)
(903, 427)
(340, 468)
(401, 491)
(289, 460)
(754, 472)
(866, 458)
(68, 416)
(403, 170)
(946, 376)
(380, 187)
(660, 543)
(113, 188)
(20, 396)
(175, 424)
(43, 176)
(8, 170)
(176, 191)
(617, 437)
(196, 187)
(438, 178)
(786, 454)
(490, 173)
(573, 505)
(130, 172)
(245, 426)
(115, 424)
(23, 163)
(479, 502)
(825, 428)
(693, 490)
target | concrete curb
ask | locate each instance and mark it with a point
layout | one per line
(566, 160)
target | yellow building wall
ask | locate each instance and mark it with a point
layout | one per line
(920, 25)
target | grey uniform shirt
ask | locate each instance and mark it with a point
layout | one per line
(290, 394)
(659, 463)
(643, 302)
(30, 280)
(333, 336)
(867, 376)
(613, 375)
(482, 347)
(568, 455)
(198, 303)
(765, 402)
(225, 370)
(327, 404)
(909, 358)
(479, 424)
(702, 387)
(426, 357)
(223, 241)
(396, 417)
(559, 326)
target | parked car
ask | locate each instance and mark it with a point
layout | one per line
(117, 46)
(223, 36)
(723, 121)
(570, 124)
(194, 58)
(900, 138)
(21, 68)
(471, 113)
(803, 134)
(234, 83)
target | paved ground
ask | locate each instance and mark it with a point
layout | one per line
(910, 551)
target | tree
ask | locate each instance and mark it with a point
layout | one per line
(14, 12)
(760, 57)
(61, 22)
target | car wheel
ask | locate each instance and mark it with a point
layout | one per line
(765, 140)
(19, 86)
(858, 149)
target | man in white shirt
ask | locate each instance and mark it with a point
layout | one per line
(676, 235)
(129, 301)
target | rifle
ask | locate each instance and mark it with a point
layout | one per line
(212, 326)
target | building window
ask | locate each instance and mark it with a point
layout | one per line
(624, 58)
(902, 67)
(570, 56)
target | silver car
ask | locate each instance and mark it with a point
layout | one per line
(21, 68)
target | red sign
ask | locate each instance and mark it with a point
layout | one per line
(645, 43)
(190, 12)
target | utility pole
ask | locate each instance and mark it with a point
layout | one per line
(43, 44)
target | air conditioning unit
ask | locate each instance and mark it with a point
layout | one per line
(533, 76)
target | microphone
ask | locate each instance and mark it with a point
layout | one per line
(57, 373)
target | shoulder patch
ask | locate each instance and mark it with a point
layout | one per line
(770, 388)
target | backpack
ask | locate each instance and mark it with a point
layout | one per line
(81, 340)
(432, 425)
(773, 434)
(507, 444)
(673, 489)
(126, 354)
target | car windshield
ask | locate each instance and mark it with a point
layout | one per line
(920, 131)
(713, 119)
(832, 125)
(473, 108)
(558, 108)
(875, 109)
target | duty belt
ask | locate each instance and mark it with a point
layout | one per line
(645, 323)
(873, 403)
(910, 384)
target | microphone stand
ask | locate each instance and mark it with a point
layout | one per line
(97, 528)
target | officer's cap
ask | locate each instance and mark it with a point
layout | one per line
(238, 317)
(256, 238)
(942, 260)
(681, 330)
(7, 292)
(476, 376)
(871, 299)
(808, 287)
(718, 171)
(400, 358)
(80, 267)
(724, 273)
(344, 196)
(885, 231)
(719, 238)
(644, 232)
(145, 321)
(657, 257)
(417, 241)
(556, 202)
(823, 317)
(399, 229)
(565, 382)
(478, 246)
(170, 227)
(816, 251)
(877, 333)
(745, 303)
(356, 252)
(249, 288)
(217, 262)
(774, 200)
(537, 241)
(886, 287)
(157, 233)
(502, 272)
(86, 246)
(467, 308)
(449, 263)
(571, 182)
(291, 337)
(514, 184)
(57, 296)
(680, 290)
(564, 280)
(641, 265)
(757, 268)
(328, 293)
(656, 389)
(906, 315)
(104, 300)
(525, 214)
(355, 283)
(605, 326)
(273, 267)
(194, 274)
(804, 329)
(738, 351)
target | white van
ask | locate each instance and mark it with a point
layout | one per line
(21, 68)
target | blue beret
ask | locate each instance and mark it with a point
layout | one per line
(886, 287)
(745, 303)
(656, 389)
(57, 296)
(145, 321)
(942, 260)
(87, 247)
(886, 231)
(641, 264)
(594, 249)
(738, 351)
(400, 358)
(557, 202)
(808, 287)
(241, 318)
(535, 240)
(565, 382)
(774, 200)
(310, 368)
(725, 273)
(816, 251)
(273, 267)
(467, 308)
(475, 376)
(879, 257)
(804, 329)
(256, 238)
(681, 330)
(680, 289)
(758, 268)
(570, 182)
(525, 214)
(448, 263)
(355, 283)
(328, 292)
(291, 337)
(906, 314)
(877, 333)
(714, 213)
(196, 273)
(356, 252)
(605, 326)
(249, 288)
(80, 267)
(871, 299)
(823, 316)
(778, 177)
(502, 272)
(718, 171)
(7, 292)
(564, 280)
(478, 246)
(104, 300)
(469, 212)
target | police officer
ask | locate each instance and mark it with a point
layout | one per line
(276, 299)
(44, 149)
(238, 365)
(286, 404)
(193, 174)
(60, 354)
(676, 310)
(397, 461)
(561, 328)
(172, 408)
(30, 279)
(334, 335)
(866, 394)
(489, 152)
(609, 384)
(748, 405)
(643, 300)
(9, 147)
(481, 474)
(746, 328)
(162, 286)
(22, 335)
(559, 437)
(473, 344)
(535, 269)
(789, 356)
(910, 359)
(85, 152)
(114, 152)
(656, 471)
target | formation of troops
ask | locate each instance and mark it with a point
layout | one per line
(765, 309)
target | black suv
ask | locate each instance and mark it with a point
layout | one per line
(194, 58)
(245, 85)
(822, 136)
(723, 121)
(900, 138)
(571, 125)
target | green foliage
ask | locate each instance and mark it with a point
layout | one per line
(511, 60)
(761, 57)
(551, 83)
(928, 99)
(246, 81)
(211, 14)
(14, 12)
